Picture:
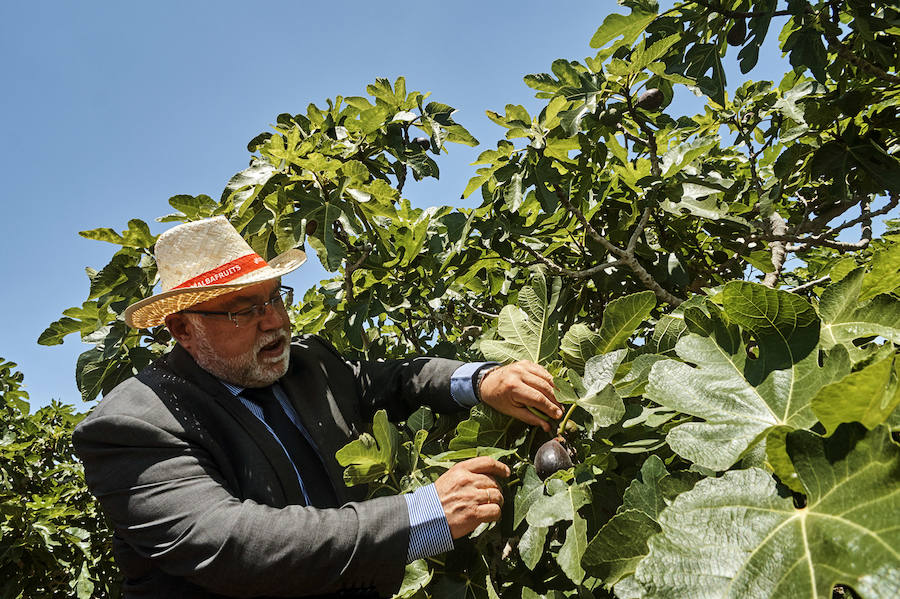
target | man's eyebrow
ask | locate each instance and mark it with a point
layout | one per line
(245, 302)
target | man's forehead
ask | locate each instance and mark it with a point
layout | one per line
(244, 296)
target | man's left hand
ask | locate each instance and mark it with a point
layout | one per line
(513, 388)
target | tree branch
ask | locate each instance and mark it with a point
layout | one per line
(841, 49)
(809, 285)
(477, 311)
(624, 257)
(866, 217)
(778, 228)
(561, 270)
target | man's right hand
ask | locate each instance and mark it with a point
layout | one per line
(470, 495)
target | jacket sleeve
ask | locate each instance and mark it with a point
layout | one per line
(164, 495)
(399, 386)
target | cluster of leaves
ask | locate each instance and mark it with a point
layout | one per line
(752, 382)
(53, 541)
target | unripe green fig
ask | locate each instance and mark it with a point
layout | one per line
(610, 117)
(737, 33)
(651, 100)
(551, 457)
(422, 142)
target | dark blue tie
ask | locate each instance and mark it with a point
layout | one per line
(306, 459)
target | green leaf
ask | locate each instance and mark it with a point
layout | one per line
(191, 208)
(845, 320)
(622, 542)
(620, 545)
(562, 503)
(531, 545)
(621, 317)
(421, 419)
(785, 325)
(102, 234)
(641, 57)
(627, 27)
(529, 330)
(580, 343)
(416, 577)
(740, 398)
(600, 398)
(702, 59)
(369, 457)
(884, 274)
(532, 488)
(678, 157)
(778, 460)
(569, 556)
(737, 536)
(868, 396)
(54, 334)
(485, 427)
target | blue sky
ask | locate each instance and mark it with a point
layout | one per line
(110, 108)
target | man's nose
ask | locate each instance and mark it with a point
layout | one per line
(273, 317)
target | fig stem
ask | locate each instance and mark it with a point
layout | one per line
(540, 415)
(562, 425)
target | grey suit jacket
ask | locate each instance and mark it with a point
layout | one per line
(203, 501)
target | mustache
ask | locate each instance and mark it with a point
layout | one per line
(270, 338)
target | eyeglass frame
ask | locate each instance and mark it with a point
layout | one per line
(284, 296)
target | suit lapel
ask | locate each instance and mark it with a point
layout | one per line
(181, 362)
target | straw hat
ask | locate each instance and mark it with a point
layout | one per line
(200, 260)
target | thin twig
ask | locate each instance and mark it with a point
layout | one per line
(477, 311)
(629, 249)
(866, 217)
(738, 13)
(801, 244)
(561, 270)
(809, 285)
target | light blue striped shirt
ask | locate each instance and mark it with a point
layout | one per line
(429, 533)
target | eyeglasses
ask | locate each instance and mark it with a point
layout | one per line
(251, 315)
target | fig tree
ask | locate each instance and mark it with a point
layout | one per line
(651, 100)
(551, 457)
(737, 33)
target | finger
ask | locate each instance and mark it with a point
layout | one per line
(486, 465)
(528, 418)
(537, 400)
(491, 495)
(541, 385)
(487, 512)
(539, 370)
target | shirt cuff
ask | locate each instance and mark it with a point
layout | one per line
(429, 533)
(462, 383)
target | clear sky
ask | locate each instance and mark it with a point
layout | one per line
(110, 108)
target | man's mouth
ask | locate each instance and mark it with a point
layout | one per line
(273, 349)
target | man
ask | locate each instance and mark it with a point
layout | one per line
(215, 465)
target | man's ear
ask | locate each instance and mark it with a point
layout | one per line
(180, 328)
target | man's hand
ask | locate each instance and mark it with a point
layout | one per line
(513, 388)
(470, 495)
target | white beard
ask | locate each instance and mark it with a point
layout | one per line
(246, 369)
